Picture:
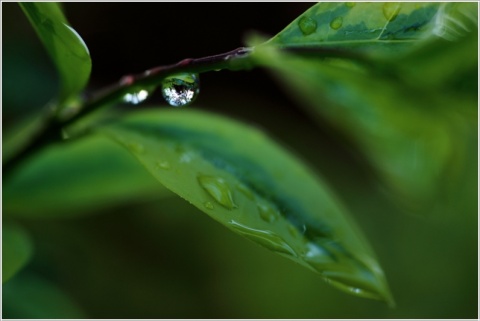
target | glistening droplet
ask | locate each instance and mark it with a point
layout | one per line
(181, 89)
(136, 97)
(307, 25)
(336, 23)
(218, 188)
(163, 164)
(264, 238)
(267, 213)
(391, 10)
(209, 205)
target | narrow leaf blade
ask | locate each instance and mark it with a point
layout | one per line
(64, 45)
(242, 179)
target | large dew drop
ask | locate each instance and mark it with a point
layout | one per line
(218, 188)
(307, 25)
(181, 89)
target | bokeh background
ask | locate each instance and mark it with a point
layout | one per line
(162, 258)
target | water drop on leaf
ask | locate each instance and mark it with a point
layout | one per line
(218, 188)
(336, 23)
(267, 213)
(209, 205)
(307, 25)
(163, 164)
(181, 89)
(265, 238)
(391, 10)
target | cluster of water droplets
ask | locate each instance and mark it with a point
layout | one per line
(178, 90)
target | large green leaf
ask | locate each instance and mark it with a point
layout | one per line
(64, 45)
(76, 178)
(17, 249)
(375, 28)
(242, 179)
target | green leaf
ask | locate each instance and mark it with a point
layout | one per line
(393, 123)
(64, 45)
(17, 250)
(76, 178)
(31, 297)
(245, 181)
(374, 28)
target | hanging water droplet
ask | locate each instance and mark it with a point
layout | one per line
(264, 238)
(181, 89)
(218, 188)
(136, 97)
(209, 205)
(307, 25)
(391, 10)
(163, 164)
(350, 4)
(336, 23)
(267, 213)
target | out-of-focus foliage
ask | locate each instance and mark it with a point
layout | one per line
(398, 103)
(16, 250)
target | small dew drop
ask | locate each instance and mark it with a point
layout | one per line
(391, 10)
(307, 25)
(245, 191)
(267, 213)
(163, 164)
(209, 205)
(218, 188)
(136, 148)
(137, 97)
(181, 90)
(350, 4)
(336, 23)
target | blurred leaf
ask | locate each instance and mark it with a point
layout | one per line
(411, 135)
(376, 28)
(242, 179)
(31, 297)
(17, 249)
(64, 45)
(75, 178)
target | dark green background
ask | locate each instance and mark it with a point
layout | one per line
(165, 259)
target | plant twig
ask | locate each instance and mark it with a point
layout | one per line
(51, 131)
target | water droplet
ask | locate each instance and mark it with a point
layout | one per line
(136, 97)
(163, 164)
(307, 25)
(209, 205)
(350, 4)
(264, 238)
(181, 89)
(336, 23)
(267, 213)
(245, 191)
(136, 147)
(218, 188)
(391, 10)
(293, 231)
